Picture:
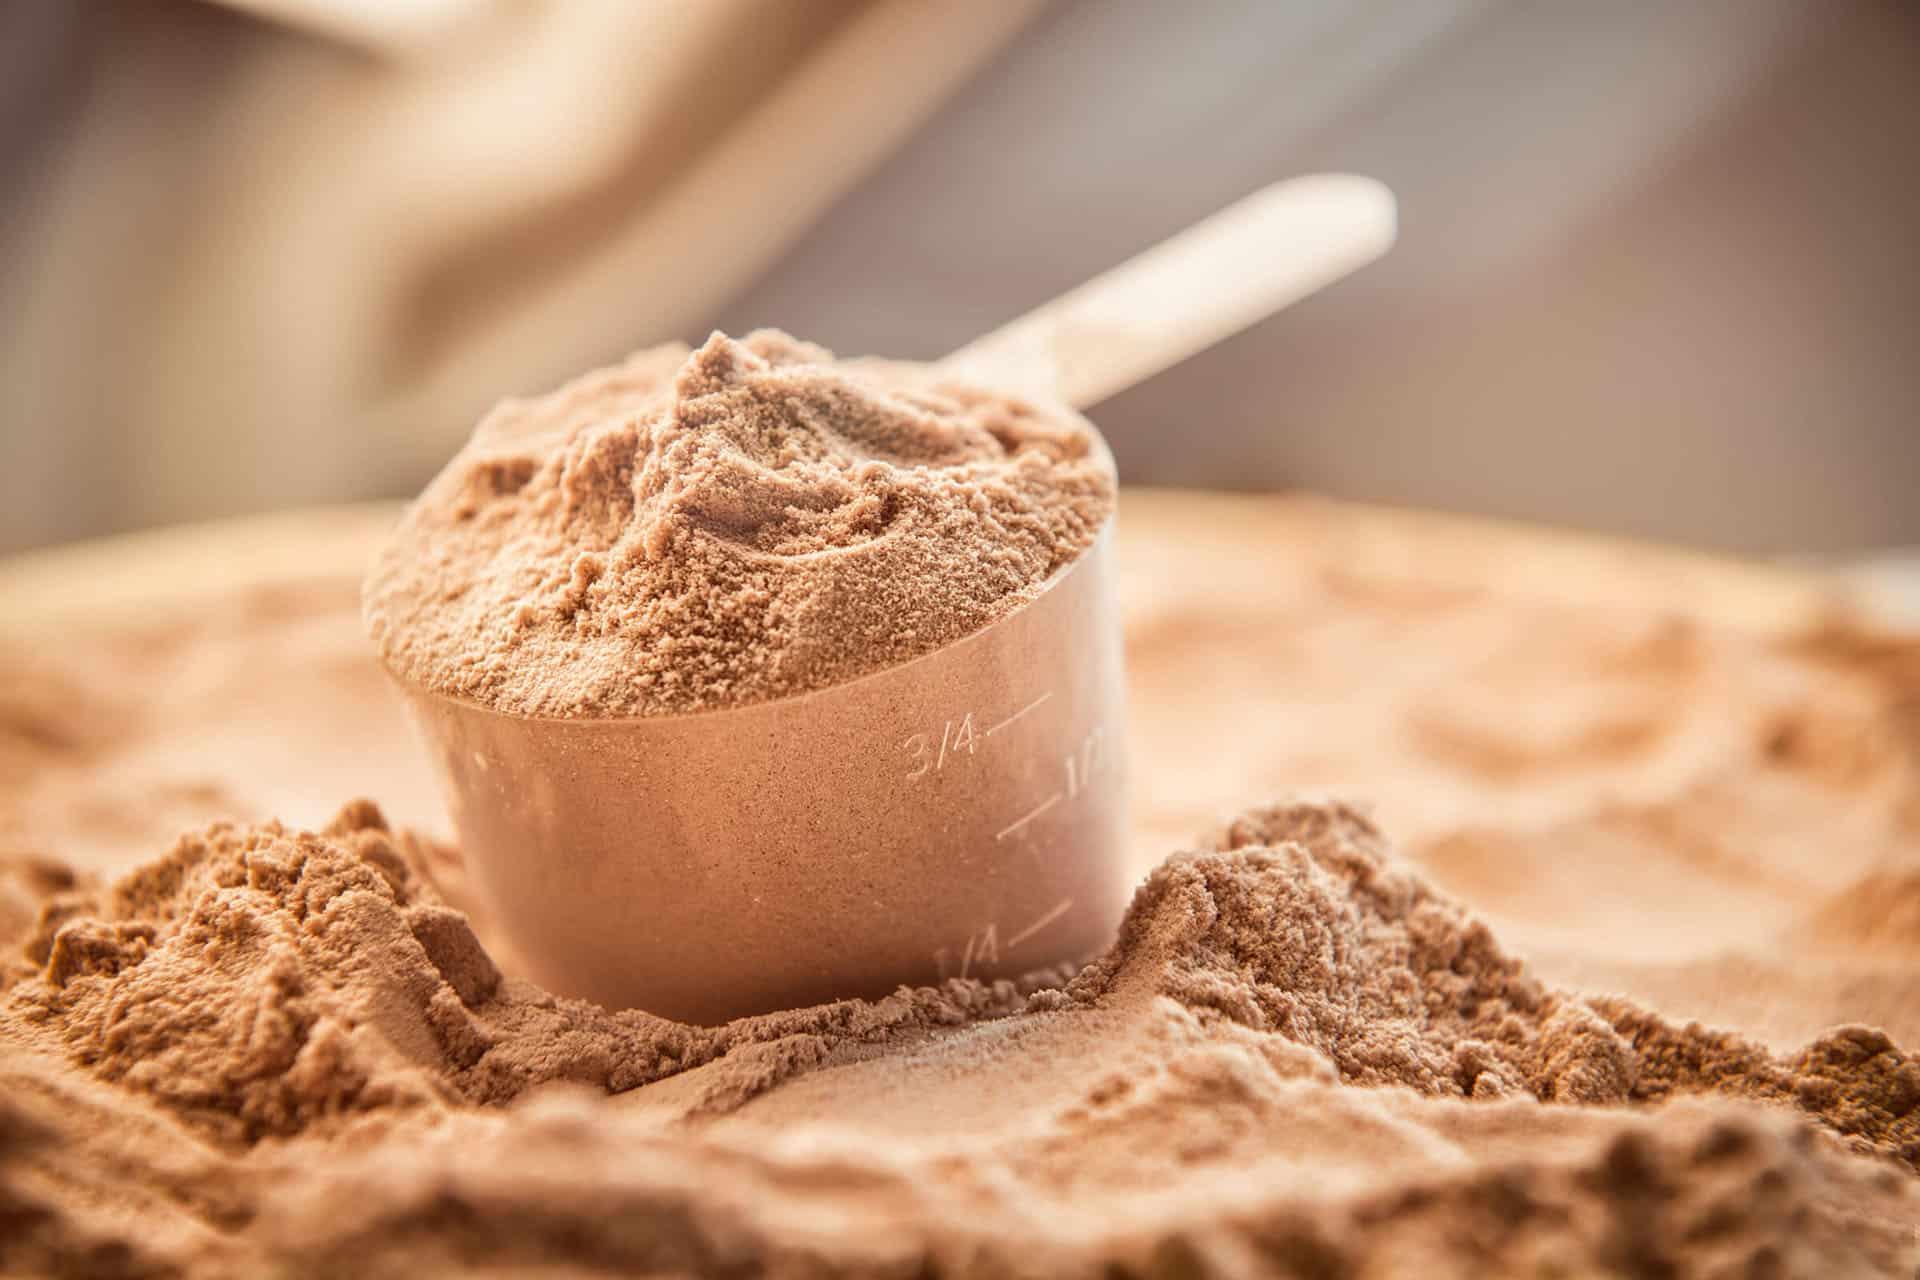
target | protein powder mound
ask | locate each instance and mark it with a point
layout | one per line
(287, 1033)
(694, 531)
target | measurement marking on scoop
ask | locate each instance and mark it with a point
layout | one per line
(957, 737)
(987, 942)
(1030, 815)
(983, 947)
(1031, 706)
(1038, 925)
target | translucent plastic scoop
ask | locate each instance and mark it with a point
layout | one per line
(959, 815)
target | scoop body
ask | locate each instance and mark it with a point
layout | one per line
(957, 815)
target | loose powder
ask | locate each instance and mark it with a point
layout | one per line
(692, 531)
(1457, 1039)
(263, 982)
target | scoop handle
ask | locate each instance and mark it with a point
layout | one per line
(1217, 277)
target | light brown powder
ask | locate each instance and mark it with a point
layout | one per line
(267, 983)
(264, 981)
(1304, 1058)
(692, 531)
(1302, 924)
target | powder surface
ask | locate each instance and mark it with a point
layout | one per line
(263, 982)
(1614, 975)
(690, 531)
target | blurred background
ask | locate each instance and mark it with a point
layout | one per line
(1659, 270)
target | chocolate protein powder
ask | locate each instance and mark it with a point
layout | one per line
(895, 590)
(1624, 981)
(693, 531)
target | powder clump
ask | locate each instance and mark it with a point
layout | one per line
(256, 980)
(691, 531)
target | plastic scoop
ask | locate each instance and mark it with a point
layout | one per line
(958, 815)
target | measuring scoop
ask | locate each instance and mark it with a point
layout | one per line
(959, 815)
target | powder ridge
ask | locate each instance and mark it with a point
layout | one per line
(262, 980)
(265, 983)
(1197, 1104)
(1300, 923)
(690, 531)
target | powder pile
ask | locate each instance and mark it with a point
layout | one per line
(261, 981)
(1304, 926)
(1314, 1052)
(752, 520)
(258, 982)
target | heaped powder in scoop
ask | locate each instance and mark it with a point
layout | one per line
(690, 531)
